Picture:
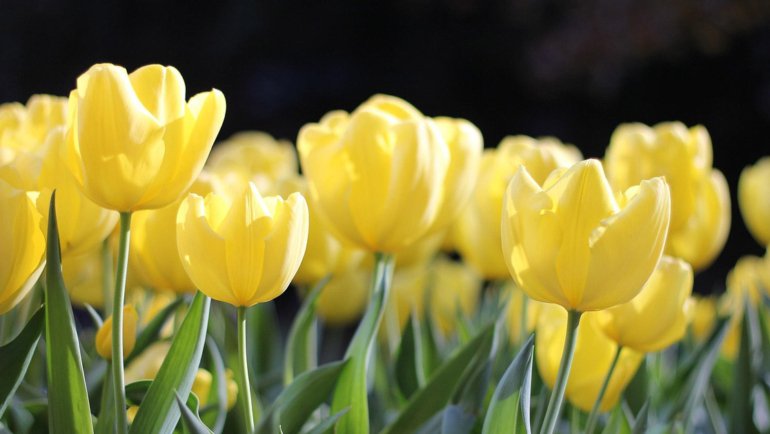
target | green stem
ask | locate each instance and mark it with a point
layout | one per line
(594, 416)
(118, 300)
(107, 273)
(247, 408)
(557, 396)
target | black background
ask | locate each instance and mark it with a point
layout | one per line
(574, 70)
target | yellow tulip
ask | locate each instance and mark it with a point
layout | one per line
(344, 297)
(521, 312)
(408, 295)
(476, 232)
(745, 282)
(154, 253)
(83, 225)
(104, 334)
(23, 246)
(384, 175)
(254, 156)
(134, 142)
(594, 353)
(656, 317)
(701, 315)
(422, 251)
(245, 251)
(570, 242)
(25, 127)
(700, 201)
(455, 288)
(83, 277)
(754, 199)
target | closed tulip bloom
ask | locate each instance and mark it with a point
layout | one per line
(746, 282)
(381, 176)
(701, 316)
(343, 299)
(25, 127)
(155, 256)
(594, 353)
(700, 202)
(134, 142)
(243, 250)
(754, 199)
(656, 317)
(521, 314)
(104, 334)
(83, 225)
(476, 232)
(23, 246)
(570, 242)
(83, 277)
(455, 289)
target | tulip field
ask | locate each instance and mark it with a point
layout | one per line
(446, 285)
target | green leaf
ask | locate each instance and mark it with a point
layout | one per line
(298, 401)
(217, 399)
(442, 385)
(159, 412)
(15, 357)
(407, 369)
(351, 390)
(264, 344)
(744, 372)
(190, 420)
(642, 419)
(508, 411)
(327, 423)
(68, 407)
(301, 346)
(455, 420)
(150, 334)
(618, 423)
(105, 423)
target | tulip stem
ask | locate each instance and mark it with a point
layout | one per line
(557, 396)
(594, 416)
(118, 300)
(245, 395)
(107, 273)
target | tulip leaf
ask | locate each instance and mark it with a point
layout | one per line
(68, 407)
(351, 390)
(215, 413)
(151, 332)
(301, 345)
(642, 419)
(264, 345)
(191, 421)
(159, 412)
(508, 411)
(618, 422)
(407, 365)
(455, 420)
(15, 357)
(327, 423)
(745, 370)
(105, 423)
(444, 384)
(300, 398)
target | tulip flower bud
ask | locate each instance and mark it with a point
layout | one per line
(476, 232)
(594, 353)
(23, 246)
(570, 242)
(243, 250)
(700, 199)
(133, 141)
(656, 317)
(384, 176)
(754, 199)
(104, 335)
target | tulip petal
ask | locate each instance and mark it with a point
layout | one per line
(161, 90)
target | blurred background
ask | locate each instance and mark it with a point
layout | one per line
(573, 69)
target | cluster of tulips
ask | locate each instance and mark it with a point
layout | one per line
(120, 222)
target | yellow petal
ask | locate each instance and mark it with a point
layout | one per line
(161, 90)
(104, 334)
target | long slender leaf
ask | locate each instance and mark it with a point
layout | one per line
(150, 334)
(217, 400)
(105, 423)
(744, 373)
(190, 420)
(301, 346)
(298, 401)
(508, 411)
(455, 420)
(642, 419)
(159, 412)
(68, 407)
(441, 386)
(406, 366)
(327, 423)
(618, 423)
(15, 357)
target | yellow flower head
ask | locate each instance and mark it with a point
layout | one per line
(521, 314)
(570, 242)
(243, 250)
(701, 316)
(656, 317)
(104, 334)
(700, 199)
(344, 297)
(476, 232)
(384, 176)
(134, 142)
(455, 288)
(754, 199)
(23, 246)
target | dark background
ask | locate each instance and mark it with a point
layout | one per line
(574, 70)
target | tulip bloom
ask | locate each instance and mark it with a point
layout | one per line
(570, 242)
(700, 199)
(656, 317)
(134, 142)
(701, 316)
(594, 353)
(754, 199)
(23, 246)
(455, 288)
(243, 251)
(476, 231)
(384, 176)
(104, 335)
